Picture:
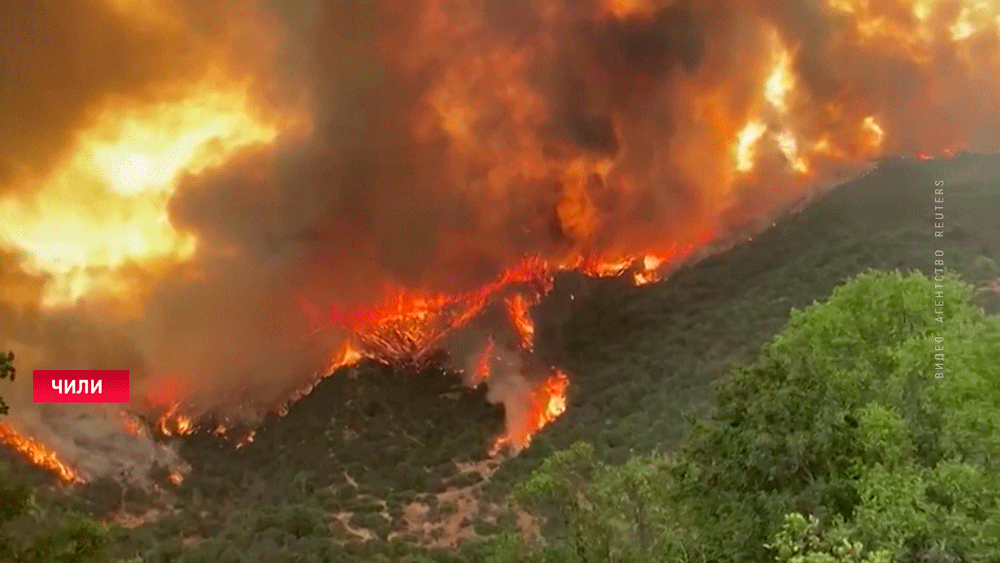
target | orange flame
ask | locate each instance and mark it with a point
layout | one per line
(173, 424)
(517, 308)
(38, 454)
(129, 424)
(405, 326)
(628, 8)
(248, 439)
(346, 355)
(547, 403)
(104, 207)
(178, 418)
(483, 362)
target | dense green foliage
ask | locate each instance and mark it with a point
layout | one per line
(842, 415)
(840, 425)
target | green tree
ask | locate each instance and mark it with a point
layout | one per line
(7, 371)
(840, 443)
(596, 512)
(74, 540)
(802, 540)
(15, 500)
(842, 417)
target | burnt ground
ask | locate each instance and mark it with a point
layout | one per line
(371, 441)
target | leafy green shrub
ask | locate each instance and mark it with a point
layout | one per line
(840, 423)
(802, 540)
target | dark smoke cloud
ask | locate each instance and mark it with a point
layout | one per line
(60, 63)
(373, 197)
(923, 104)
(367, 200)
(62, 58)
(383, 191)
(367, 185)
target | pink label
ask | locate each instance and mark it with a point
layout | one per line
(80, 386)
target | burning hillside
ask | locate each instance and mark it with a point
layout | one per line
(260, 191)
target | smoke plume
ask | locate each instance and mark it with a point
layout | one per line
(216, 194)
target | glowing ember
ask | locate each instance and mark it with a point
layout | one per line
(483, 362)
(248, 439)
(129, 423)
(38, 454)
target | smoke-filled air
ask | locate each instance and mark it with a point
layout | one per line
(233, 198)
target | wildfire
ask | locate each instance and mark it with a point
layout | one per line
(407, 325)
(346, 355)
(102, 210)
(461, 143)
(780, 82)
(745, 143)
(129, 423)
(483, 362)
(38, 454)
(649, 272)
(971, 16)
(517, 308)
(248, 439)
(547, 403)
(173, 424)
(627, 8)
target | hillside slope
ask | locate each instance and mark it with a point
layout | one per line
(375, 448)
